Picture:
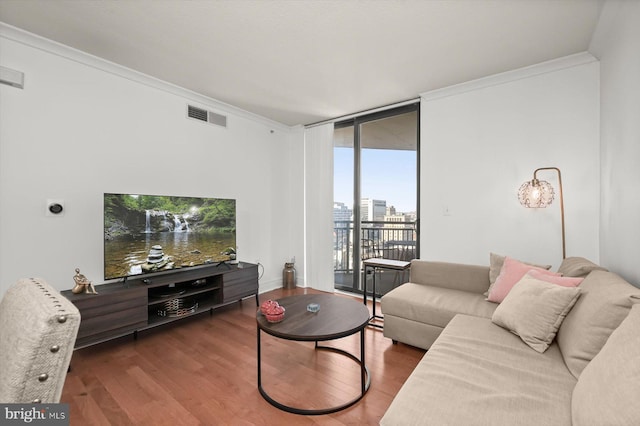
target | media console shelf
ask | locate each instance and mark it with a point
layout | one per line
(152, 300)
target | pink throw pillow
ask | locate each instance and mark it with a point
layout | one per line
(563, 281)
(512, 271)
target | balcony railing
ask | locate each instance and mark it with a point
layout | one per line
(380, 239)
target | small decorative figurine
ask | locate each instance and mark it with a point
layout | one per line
(231, 252)
(83, 285)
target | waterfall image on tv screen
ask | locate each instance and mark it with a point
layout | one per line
(152, 233)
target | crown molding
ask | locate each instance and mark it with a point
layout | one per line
(553, 65)
(41, 43)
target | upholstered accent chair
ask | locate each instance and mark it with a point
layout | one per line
(38, 329)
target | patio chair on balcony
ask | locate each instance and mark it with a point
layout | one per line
(370, 250)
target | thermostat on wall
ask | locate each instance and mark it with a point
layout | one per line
(55, 208)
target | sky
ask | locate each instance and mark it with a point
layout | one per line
(386, 175)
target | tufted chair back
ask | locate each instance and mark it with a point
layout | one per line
(38, 329)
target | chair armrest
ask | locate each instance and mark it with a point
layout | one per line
(38, 329)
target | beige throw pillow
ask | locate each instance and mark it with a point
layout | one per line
(607, 391)
(578, 267)
(605, 301)
(534, 310)
(495, 266)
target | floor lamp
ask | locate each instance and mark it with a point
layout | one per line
(539, 194)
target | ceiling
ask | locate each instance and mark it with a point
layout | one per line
(299, 62)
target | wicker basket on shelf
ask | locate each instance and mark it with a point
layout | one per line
(177, 307)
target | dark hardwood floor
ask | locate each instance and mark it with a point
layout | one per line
(202, 371)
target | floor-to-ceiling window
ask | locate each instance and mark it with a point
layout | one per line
(376, 174)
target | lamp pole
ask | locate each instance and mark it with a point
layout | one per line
(564, 252)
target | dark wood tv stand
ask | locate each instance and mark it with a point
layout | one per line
(140, 303)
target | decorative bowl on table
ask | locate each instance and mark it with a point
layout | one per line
(267, 305)
(272, 311)
(273, 318)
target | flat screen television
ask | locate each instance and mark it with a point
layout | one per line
(153, 233)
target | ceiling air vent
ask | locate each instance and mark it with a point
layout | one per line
(207, 116)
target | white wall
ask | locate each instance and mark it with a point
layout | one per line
(295, 222)
(79, 129)
(616, 43)
(480, 141)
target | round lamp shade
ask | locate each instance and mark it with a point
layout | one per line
(536, 193)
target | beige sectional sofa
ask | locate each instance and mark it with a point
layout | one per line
(584, 372)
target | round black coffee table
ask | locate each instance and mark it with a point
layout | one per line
(338, 317)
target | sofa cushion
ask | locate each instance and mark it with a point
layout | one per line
(434, 305)
(616, 364)
(512, 271)
(477, 373)
(458, 276)
(534, 310)
(578, 267)
(605, 301)
(410, 332)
